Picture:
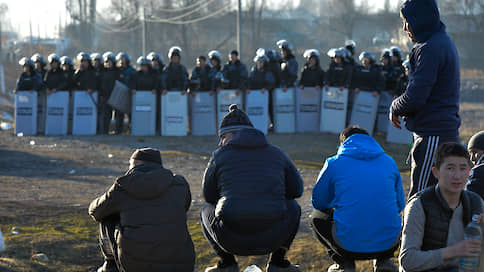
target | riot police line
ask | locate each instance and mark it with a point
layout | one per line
(163, 99)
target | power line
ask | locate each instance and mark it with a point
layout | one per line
(160, 20)
(180, 8)
(217, 12)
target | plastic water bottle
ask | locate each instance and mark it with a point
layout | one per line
(252, 268)
(471, 232)
(2, 242)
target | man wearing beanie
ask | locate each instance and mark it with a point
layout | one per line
(249, 187)
(143, 219)
(476, 176)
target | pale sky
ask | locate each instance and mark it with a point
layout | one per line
(45, 14)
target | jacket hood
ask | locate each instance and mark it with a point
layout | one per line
(361, 147)
(248, 138)
(423, 17)
(146, 181)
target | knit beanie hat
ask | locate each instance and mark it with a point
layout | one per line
(147, 155)
(476, 141)
(233, 121)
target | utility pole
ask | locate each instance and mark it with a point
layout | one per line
(239, 26)
(143, 32)
(31, 38)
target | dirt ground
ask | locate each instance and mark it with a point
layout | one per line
(48, 182)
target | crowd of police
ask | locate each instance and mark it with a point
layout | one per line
(272, 69)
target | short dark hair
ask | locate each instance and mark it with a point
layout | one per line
(450, 150)
(351, 130)
(202, 58)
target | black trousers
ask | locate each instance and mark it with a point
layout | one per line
(422, 156)
(107, 240)
(322, 225)
(234, 243)
(105, 113)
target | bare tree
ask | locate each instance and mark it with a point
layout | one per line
(471, 10)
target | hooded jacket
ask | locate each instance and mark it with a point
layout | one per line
(430, 105)
(249, 181)
(152, 205)
(363, 186)
(476, 178)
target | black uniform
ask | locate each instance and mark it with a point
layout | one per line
(289, 68)
(145, 81)
(54, 79)
(367, 79)
(389, 78)
(175, 77)
(99, 71)
(237, 75)
(214, 74)
(261, 79)
(339, 75)
(68, 78)
(201, 79)
(106, 85)
(312, 76)
(85, 79)
(275, 67)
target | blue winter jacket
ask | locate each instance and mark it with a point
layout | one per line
(29, 82)
(363, 186)
(249, 181)
(476, 178)
(430, 105)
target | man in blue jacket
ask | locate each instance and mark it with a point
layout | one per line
(250, 187)
(430, 105)
(357, 201)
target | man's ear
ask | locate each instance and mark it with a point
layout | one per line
(436, 172)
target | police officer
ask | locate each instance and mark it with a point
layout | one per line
(127, 74)
(54, 78)
(200, 79)
(175, 76)
(350, 45)
(67, 66)
(145, 79)
(275, 60)
(40, 64)
(85, 77)
(398, 68)
(367, 76)
(29, 80)
(312, 74)
(289, 66)
(110, 75)
(216, 74)
(339, 72)
(386, 61)
(402, 81)
(98, 64)
(157, 67)
(261, 77)
(235, 72)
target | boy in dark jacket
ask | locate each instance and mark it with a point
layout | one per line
(250, 187)
(312, 75)
(143, 219)
(476, 176)
(430, 105)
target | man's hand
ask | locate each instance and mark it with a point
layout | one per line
(247, 91)
(89, 91)
(211, 93)
(341, 88)
(465, 248)
(263, 90)
(395, 121)
(326, 87)
(165, 91)
(357, 90)
(284, 89)
(301, 87)
(133, 91)
(375, 94)
(153, 91)
(237, 92)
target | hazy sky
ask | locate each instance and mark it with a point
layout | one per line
(45, 14)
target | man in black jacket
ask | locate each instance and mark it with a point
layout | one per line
(236, 73)
(249, 186)
(143, 219)
(430, 105)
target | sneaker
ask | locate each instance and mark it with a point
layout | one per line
(232, 268)
(108, 266)
(385, 265)
(349, 267)
(290, 268)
